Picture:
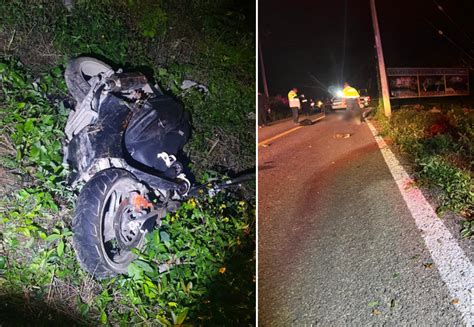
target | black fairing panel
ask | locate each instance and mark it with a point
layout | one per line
(161, 125)
(103, 139)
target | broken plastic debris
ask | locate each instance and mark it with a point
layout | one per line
(187, 84)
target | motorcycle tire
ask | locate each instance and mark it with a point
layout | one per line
(79, 71)
(95, 224)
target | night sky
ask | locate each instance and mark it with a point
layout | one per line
(304, 38)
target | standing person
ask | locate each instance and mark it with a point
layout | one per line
(304, 105)
(294, 103)
(351, 98)
(312, 106)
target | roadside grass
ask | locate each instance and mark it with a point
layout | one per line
(440, 145)
(211, 42)
(208, 246)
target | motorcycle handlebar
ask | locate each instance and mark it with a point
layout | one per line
(219, 186)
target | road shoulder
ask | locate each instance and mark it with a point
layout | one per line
(453, 264)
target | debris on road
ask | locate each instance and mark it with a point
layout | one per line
(376, 312)
(392, 303)
(428, 265)
(306, 122)
(342, 135)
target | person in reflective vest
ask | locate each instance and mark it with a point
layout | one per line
(351, 98)
(294, 103)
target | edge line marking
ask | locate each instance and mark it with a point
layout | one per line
(287, 132)
(279, 135)
(454, 267)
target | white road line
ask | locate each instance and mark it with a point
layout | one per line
(264, 142)
(455, 268)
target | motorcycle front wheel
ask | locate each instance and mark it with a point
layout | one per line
(78, 73)
(103, 224)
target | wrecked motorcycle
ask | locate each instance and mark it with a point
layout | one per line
(122, 141)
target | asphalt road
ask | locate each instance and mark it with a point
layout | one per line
(264, 133)
(337, 243)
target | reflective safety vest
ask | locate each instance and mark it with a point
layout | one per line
(293, 99)
(350, 92)
(292, 94)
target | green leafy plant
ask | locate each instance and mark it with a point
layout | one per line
(457, 185)
(210, 42)
(440, 144)
(198, 267)
(152, 19)
(437, 143)
(207, 248)
(34, 123)
(467, 230)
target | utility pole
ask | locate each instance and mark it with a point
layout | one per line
(265, 86)
(383, 74)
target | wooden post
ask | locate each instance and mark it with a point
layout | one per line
(383, 74)
(265, 86)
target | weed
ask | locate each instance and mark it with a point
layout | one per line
(210, 42)
(199, 266)
(207, 247)
(457, 185)
(34, 123)
(467, 230)
(438, 144)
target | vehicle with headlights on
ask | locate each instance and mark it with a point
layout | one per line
(337, 103)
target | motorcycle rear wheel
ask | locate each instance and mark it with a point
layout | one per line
(103, 237)
(78, 73)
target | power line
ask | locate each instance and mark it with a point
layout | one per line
(440, 8)
(440, 32)
(323, 86)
